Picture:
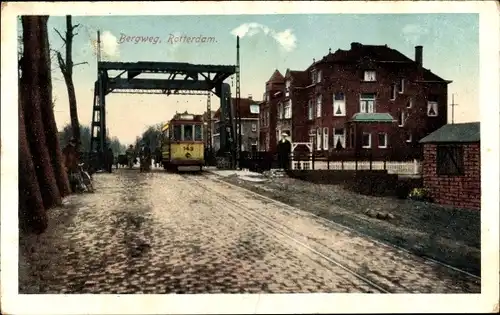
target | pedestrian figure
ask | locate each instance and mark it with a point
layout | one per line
(70, 155)
(284, 148)
(109, 160)
(145, 157)
(158, 157)
(130, 153)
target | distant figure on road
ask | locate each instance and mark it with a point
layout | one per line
(109, 160)
(71, 163)
(158, 157)
(284, 148)
(145, 157)
(130, 156)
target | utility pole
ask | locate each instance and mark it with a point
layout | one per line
(238, 112)
(453, 108)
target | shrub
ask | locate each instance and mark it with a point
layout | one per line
(420, 194)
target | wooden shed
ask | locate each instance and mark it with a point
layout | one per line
(452, 165)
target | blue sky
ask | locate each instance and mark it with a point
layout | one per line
(450, 41)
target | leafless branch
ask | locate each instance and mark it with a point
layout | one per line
(75, 26)
(58, 33)
(80, 63)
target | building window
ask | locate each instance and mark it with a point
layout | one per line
(409, 137)
(281, 111)
(339, 138)
(320, 73)
(314, 76)
(287, 88)
(393, 92)
(310, 110)
(339, 104)
(401, 86)
(267, 117)
(367, 103)
(254, 127)
(367, 140)
(401, 118)
(288, 110)
(318, 105)
(369, 76)
(239, 130)
(409, 103)
(318, 139)
(432, 109)
(325, 138)
(382, 140)
(450, 160)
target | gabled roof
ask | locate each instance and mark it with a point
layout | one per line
(299, 78)
(245, 104)
(373, 117)
(277, 77)
(455, 133)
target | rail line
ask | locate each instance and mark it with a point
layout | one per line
(249, 215)
(292, 209)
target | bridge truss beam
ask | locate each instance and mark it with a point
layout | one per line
(198, 79)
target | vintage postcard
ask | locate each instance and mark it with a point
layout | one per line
(250, 157)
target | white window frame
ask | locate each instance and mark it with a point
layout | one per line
(319, 76)
(401, 86)
(325, 138)
(310, 110)
(314, 76)
(394, 89)
(341, 103)
(319, 105)
(409, 103)
(254, 127)
(237, 128)
(288, 110)
(367, 77)
(337, 136)
(385, 140)
(281, 110)
(318, 139)
(409, 137)
(402, 116)
(364, 103)
(429, 103)
(369, 140)
(288, 84)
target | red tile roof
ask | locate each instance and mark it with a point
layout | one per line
(244, 108)
(277, 77)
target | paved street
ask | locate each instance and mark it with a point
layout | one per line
(179, 233)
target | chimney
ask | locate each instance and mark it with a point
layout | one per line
(419, 55)
(355, 45)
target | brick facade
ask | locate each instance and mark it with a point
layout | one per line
(459, 191)
(401, 85)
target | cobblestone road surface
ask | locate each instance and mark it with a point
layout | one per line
(172, 233)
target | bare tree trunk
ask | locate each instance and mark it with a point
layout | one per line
(31, 66)
(32, 215)
(49, 122)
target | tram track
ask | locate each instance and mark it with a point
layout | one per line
(377, 280)
(266, 225)
(339, 227)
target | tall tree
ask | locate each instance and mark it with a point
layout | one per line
(32, 215)
(49, 121)
(66, 65)
(31, 65)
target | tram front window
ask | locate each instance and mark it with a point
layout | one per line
(188, 132)
(198, 133)
(177, 133)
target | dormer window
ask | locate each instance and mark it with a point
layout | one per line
(369, 76)
(320, 73)
(314, 76)
(287, 87)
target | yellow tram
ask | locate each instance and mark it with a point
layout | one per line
(182, 143)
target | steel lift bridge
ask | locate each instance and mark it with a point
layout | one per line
(196, 79)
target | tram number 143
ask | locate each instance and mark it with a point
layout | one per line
(188, 148)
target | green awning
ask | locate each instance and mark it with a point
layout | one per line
(373, 117)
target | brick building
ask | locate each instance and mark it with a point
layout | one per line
(370, 99)
(452, 165)
(249, 111)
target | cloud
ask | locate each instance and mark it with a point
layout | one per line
(109, 46)
(286, 39)
(413, 33)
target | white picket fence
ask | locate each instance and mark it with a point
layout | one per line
(401, 168)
